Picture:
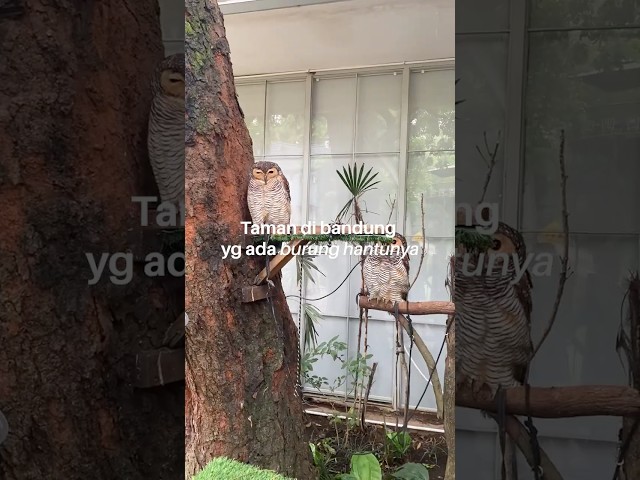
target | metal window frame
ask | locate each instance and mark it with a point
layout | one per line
(309, 77)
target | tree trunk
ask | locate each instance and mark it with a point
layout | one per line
(630, 434)
(449, 393)
(241, 361)
(75, 100)
(449, 402)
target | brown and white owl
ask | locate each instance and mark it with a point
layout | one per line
(386, 277)
(493, 313)
(492, 296)
(165, 139)
(268, 195)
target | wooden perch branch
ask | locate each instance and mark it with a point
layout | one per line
(560, 402)
(411, 308)
(429, 360)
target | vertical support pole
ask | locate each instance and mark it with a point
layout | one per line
(514, 125)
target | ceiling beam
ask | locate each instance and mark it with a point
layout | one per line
(230, 7)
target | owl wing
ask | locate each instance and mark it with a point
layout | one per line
(285, 183)
(523, 291)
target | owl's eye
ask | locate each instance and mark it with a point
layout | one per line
(271, 171)
(496, 244)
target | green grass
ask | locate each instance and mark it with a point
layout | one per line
(222, 468)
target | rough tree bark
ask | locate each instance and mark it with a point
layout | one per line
(241, 359)
(450, 402)
(75, 97)
(630, 434)
(449, 392)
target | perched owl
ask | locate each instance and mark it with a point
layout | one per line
(268, 195)
(386, 277)
(493, 314)
(493, 321)
(166, 129)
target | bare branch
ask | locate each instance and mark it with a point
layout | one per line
(490, 162)
(564, 260)
(423, 251)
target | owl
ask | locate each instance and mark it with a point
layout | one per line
(492, 296)
(268, 195)
(165, 140)
(386, 277)
(493, 314)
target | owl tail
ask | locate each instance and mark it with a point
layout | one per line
(509, 467)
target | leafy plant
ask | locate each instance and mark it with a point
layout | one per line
(311, 314)
(397, 444)
(335, 349)
(323, 454)
(411, 471)
(311, 317)
(357, 182)
(364, 466)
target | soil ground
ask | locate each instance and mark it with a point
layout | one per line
(338, 445)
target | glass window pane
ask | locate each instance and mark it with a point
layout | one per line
(379, 102)
(481, 72)
(327, 193)
(285, 118)
(251, 99)
(584, 14)
(333, 112)
(432, 111)
(431, 175)
(573, 85)
(376, 203)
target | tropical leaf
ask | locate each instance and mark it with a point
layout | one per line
(411, 471)
(311, 317)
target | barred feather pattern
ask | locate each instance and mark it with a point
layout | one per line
(493, 328)
(270, 202)
(386, 277)
(166, 136)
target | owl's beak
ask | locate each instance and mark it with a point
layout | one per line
(264, 178)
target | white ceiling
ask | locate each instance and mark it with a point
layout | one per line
(340, 34)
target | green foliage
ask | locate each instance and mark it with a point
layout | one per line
(222, 468)
(473, 240)
(306, 265)
(311, 317)
(333, 348)
(411, 471)
(323, 454)
(397, 444)
(364, 466)
(357, 182)
(326, 238)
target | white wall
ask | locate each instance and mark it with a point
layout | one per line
(342, 34)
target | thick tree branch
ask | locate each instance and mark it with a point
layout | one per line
(411, 308)
(560, 402)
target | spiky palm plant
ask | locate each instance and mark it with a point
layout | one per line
(357, 182)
